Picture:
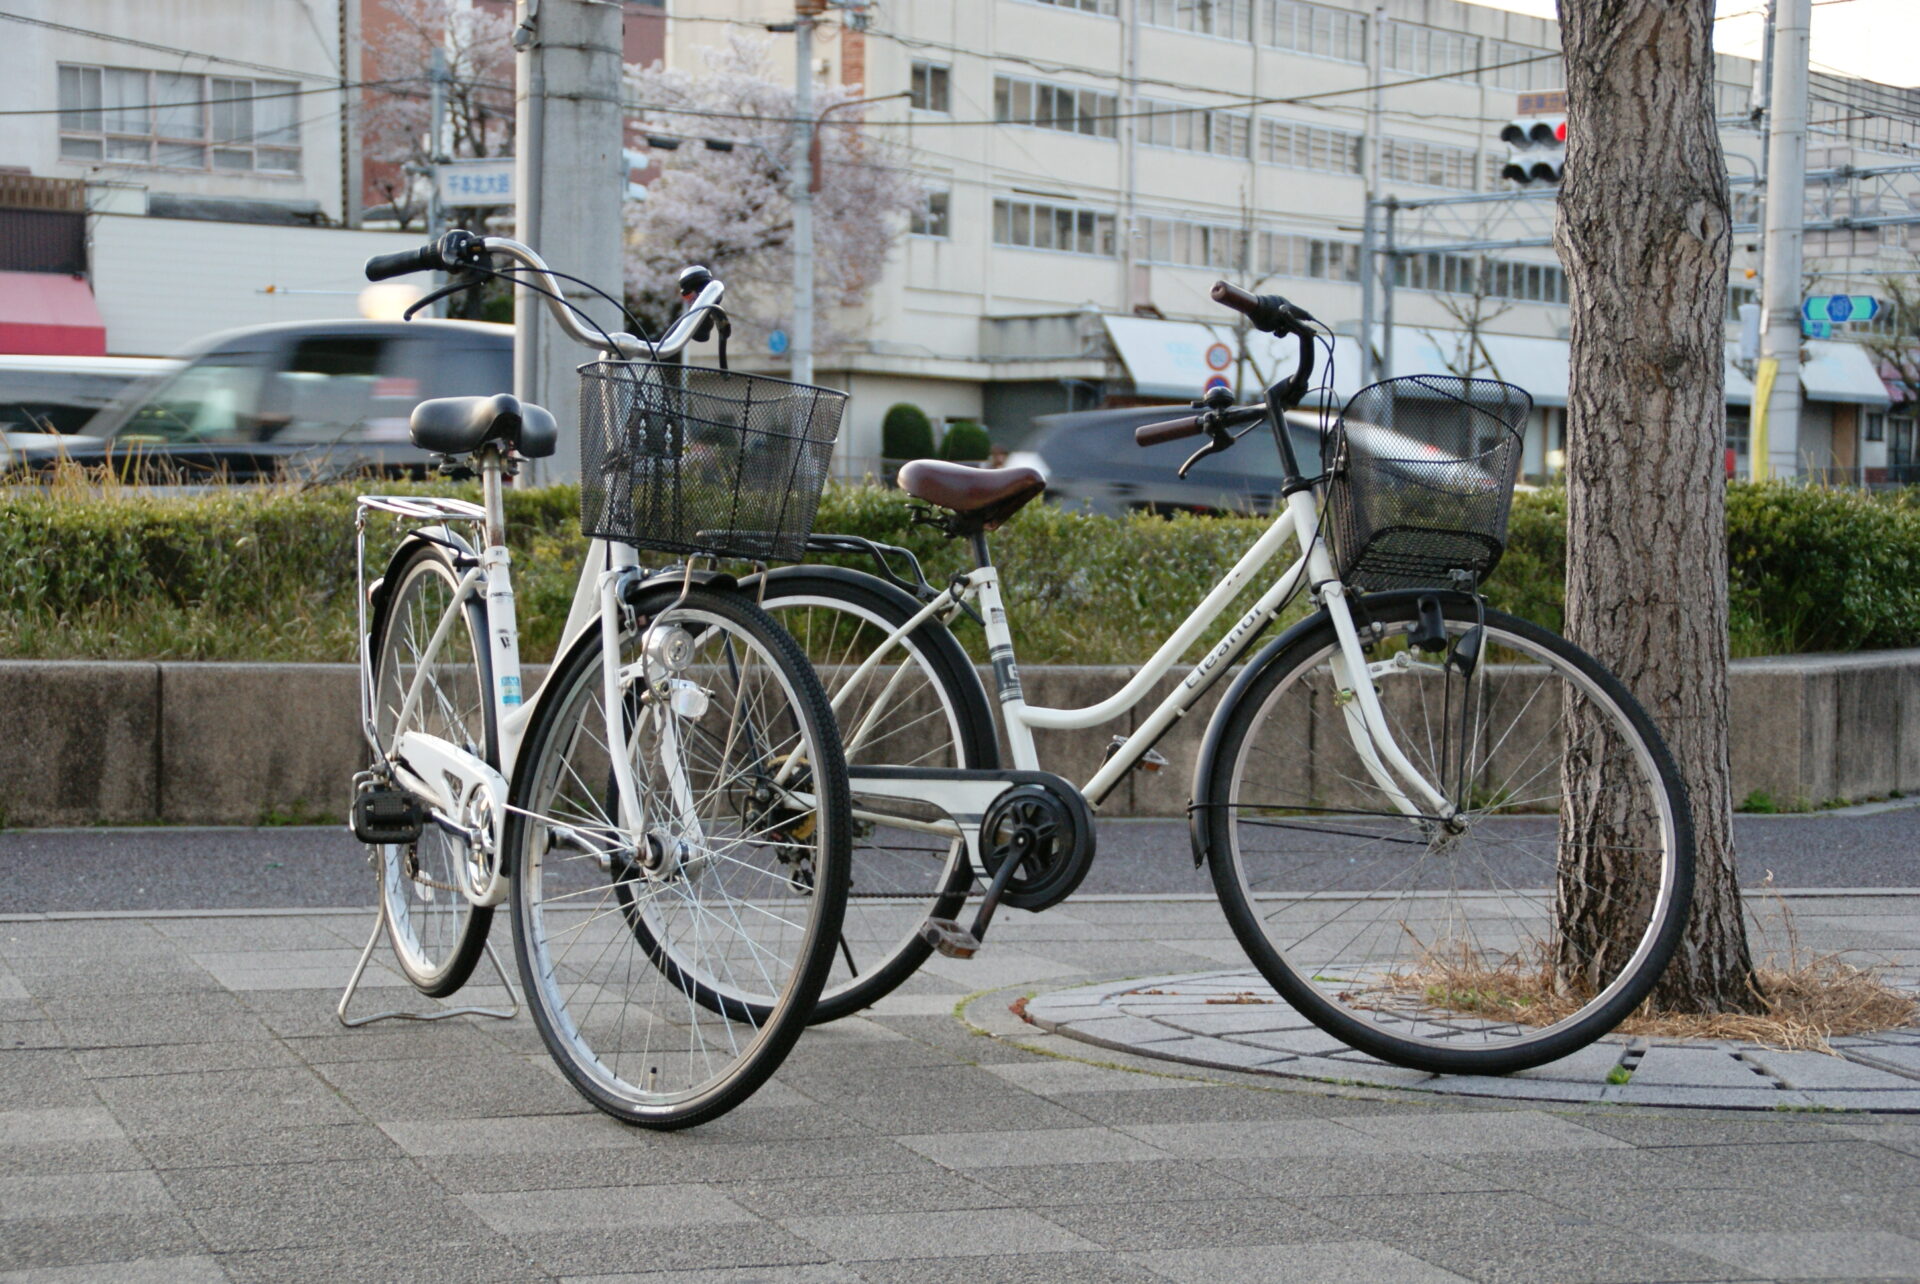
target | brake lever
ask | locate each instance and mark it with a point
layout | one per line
(466, 280)
(1219, 437)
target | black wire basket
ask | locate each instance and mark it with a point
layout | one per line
(1420, 473)
(684, 459)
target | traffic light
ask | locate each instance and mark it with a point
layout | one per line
(1536, 149)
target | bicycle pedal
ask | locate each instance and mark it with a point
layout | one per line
(387, 816)
(948, 937)
(1151, 760)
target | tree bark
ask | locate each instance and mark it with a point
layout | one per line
(1644, 230)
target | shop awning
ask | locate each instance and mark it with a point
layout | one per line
(1175, 359)
(1842, 372)
(49, 314)
(1538, 365)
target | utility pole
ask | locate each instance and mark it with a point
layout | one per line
(567, 189)
(436, 157)
(1776, 418)
(800, 186)
(1370, 162)
(436, 141)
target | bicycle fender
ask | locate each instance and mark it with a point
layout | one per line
(378, 592)
(1200, 818)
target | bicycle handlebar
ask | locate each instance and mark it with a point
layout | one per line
(459, 249)
(424, 259)
(1192, 425)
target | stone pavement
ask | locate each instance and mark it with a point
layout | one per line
(178, 1104)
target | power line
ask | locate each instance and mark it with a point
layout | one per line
(1118, 115)
(198, 102)
(166, 49)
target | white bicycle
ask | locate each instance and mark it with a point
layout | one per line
(674, 909)
(1444, 834)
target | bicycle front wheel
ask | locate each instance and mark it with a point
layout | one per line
(437, 932)
(1506, 936)
(672, 950)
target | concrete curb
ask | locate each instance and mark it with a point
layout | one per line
(226, 744)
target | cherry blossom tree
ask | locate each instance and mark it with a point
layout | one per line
(475, 38)
(729, 209)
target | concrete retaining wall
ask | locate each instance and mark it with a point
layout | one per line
(234, 744)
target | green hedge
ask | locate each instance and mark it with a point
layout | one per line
(268, 575)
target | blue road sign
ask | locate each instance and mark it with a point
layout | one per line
(1218, 381)
(1816, 329)
(1840, 308)
(777, 342)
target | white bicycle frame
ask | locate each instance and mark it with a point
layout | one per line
(466, 794)
(964, 801)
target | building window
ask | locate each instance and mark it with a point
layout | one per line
(1208, 245)
(1313, 29)
(928, 88)
(1430, 164)
(1108, 7)
(1194, 129)
(1876, 426)
(1230, 18)
(1037, 225)
(1333, 151)
(931, 218)
(1043, 105)
(1427, 51)
(125, 116)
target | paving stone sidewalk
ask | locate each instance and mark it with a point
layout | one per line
(177, 1103)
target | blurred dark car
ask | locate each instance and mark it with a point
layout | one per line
(43, 398)
(313, 399)
(1089, 458)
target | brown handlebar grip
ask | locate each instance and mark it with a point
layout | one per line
(1166, 430)
(1235, 297)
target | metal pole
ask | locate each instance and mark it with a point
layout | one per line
(436, 141)
(1777, 432)
(1391, 264)
(436, 154)
(1370, 162)
(800, 187)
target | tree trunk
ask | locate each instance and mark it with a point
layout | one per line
(1644, 232)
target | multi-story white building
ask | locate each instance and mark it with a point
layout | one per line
(1094, 165)
(205, 155)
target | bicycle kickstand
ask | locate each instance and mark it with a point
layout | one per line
(438, 1014)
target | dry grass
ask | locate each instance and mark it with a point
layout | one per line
(1807, 998)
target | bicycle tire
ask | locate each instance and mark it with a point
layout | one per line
(936, 714)
(1447, 958)
(704, 939)
(437, 934)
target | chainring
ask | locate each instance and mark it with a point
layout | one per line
(1051, 830)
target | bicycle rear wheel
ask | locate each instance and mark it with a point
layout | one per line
(922, 707)
(671, 958)
(1470, 947)
(437, 933)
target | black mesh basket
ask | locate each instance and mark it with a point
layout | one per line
(683, 459)
(1420, 480)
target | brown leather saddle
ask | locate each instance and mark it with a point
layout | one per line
(980, 499)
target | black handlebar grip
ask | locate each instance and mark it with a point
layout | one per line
(424, 259)
(1166, 430)
(1236, 298)
(1268, 312)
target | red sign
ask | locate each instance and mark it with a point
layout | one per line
(1219, 357)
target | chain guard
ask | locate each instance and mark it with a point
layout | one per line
(1053, 829)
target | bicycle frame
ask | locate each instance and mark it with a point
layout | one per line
(1366, 721)
(468, 795)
